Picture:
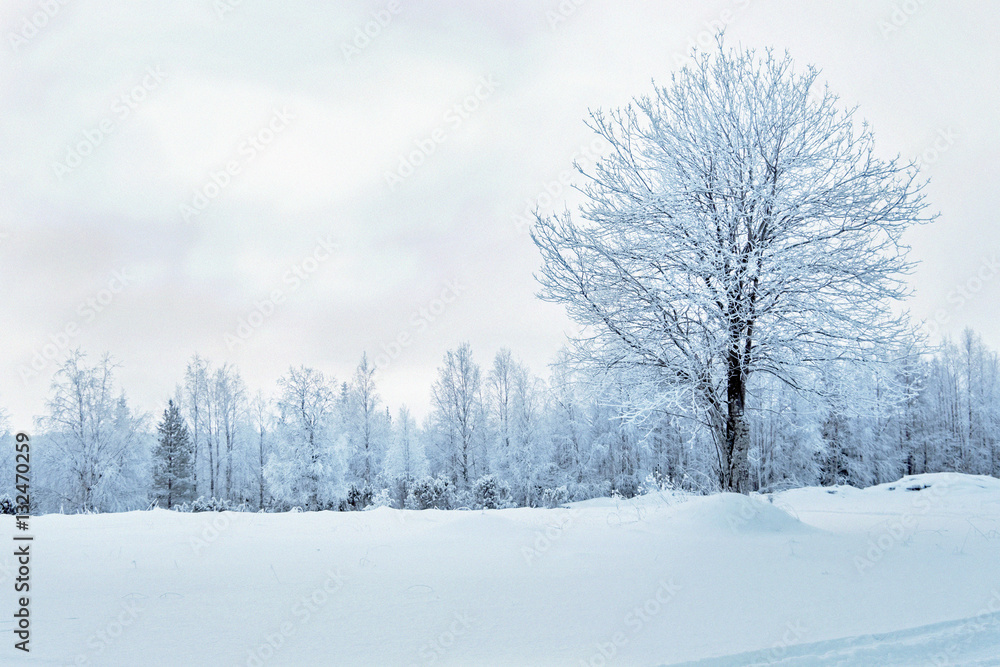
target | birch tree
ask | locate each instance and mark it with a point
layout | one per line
(367, 425)
(304, 468)
(197, 398)
(741, 223)
(262, 419)
(95, 452)
(459, 415)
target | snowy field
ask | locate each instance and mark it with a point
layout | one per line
(886, 575)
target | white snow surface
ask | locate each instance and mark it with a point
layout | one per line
(889, 575)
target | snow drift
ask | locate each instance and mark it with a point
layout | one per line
(884, 575)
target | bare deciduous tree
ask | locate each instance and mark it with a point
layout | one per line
(459, 413)
(741, 224)
(95, 449)
(306, 406)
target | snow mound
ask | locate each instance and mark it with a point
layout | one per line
(655, 499)
(735, 512)
(950, 481)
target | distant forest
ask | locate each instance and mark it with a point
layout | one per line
(497, 436)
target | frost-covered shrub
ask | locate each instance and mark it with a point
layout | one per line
(381, 499)
(626, 487)
(555, 497)
(491, 493)
(399, 489)
(278, 505)
(656, 482)
(358, 498)
(462, 500)
(430, 493)
(588, 490)
(7, 505)
(202, 504)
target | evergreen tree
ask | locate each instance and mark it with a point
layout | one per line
(173, 468)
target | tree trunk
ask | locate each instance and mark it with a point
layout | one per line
(194, 456)
(737, 442)
(313, 475)
(260, 470)
(211, 466)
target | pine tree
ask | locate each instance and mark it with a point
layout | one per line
(173, 469)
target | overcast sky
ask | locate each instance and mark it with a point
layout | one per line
(299, 132)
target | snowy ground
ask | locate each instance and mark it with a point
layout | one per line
(885, 575)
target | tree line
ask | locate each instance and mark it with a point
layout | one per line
(496, 436)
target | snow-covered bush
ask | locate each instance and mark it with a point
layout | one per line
(462, 500)
(625, 487)
(202, 504)
(380, 499)
(277, 505)
(555, 497)
(7, 505)
(491, 493)
(588, 490)
(656, 482)
(358, 498)
(430, 493)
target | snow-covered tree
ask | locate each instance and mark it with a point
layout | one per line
(459, 416)
(262, 420)
(198, 403)
(499, 391)
(567, 422)
(172, 464)
(785, 437)
(7, 453)
(740, 224)
(230, 405)
(521, 452)
(95, 454)
(367, 425)
(405, 460)
(305, 465)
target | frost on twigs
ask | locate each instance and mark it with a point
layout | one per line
(740, 226)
